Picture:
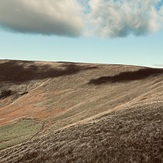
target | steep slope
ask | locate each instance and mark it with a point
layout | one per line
(81, 112)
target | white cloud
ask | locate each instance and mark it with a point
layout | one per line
(118, 18)
(59, 17)
(158, 65)
(102, 18)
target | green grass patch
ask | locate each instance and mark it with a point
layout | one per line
(18, 132)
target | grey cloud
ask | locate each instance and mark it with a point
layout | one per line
(48, 17)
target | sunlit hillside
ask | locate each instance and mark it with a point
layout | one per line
(76, 112)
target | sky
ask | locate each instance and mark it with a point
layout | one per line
(92, 31)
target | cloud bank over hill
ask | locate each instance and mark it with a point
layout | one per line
(101, 18)
(47, 17)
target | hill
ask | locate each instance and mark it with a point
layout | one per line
(76, 112)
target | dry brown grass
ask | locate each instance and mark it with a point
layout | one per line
(91, 112)
(132, 135)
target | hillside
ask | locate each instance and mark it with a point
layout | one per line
(76, 112)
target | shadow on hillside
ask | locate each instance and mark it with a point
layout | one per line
(127, 76)
(15, 71)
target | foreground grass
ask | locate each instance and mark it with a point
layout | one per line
(132, 135)
(18, 132)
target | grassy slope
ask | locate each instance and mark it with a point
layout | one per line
(129, 99)
(18, 132)
(132, 135)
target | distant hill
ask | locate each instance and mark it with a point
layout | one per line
(76, 112)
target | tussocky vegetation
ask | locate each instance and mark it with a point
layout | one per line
(76, 112)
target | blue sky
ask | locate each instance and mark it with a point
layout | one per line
(133, 48)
